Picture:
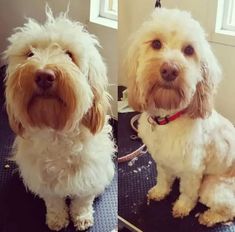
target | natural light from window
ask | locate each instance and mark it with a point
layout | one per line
(109, 8)
(229, 15)
(104, 12)
(225, 20)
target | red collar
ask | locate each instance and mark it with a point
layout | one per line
(164, 120)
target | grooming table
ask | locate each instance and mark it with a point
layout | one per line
(20, 210)
(135, 178)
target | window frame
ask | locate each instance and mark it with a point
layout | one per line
(95, 17)
(215, 20)
(105, 12)
(225, 24)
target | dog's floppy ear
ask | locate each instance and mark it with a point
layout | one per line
(131, 65)
(202, 103)
(15, 125)
(95, 117)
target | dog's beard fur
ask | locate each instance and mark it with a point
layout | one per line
(53, 109)
(165, 97)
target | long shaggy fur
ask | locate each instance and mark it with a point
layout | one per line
(63, 145)
(199, 147)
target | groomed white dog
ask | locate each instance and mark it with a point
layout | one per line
(56, 102)
(173, 76)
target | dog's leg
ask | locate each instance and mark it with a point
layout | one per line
(81, 211)
(189, 187)
(57, 212)
(211, 217)
(163, 186)
(217, 193)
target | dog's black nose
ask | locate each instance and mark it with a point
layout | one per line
(169, 71)
(44, 78)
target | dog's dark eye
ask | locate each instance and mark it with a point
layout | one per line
(30, 54)
(69, 54)
(156, 44)
(189, 50)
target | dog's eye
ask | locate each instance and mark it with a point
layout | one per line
(69, 54)
(156, 44)
(30, 54)
(189, 50)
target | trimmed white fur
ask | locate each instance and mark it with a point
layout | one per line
(199, 152)
(197, 148)
(72, 161)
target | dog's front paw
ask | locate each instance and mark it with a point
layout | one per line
(182, 207)
(57, 220)
(83, 221)
(157, 193)
(210, 218)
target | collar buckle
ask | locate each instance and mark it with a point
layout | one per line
(159, 120)
(153, 120)
(167, 119)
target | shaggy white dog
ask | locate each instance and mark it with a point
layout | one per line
(173, 76)
(56, 102)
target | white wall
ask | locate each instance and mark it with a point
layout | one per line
(133, 12)
(12, 13)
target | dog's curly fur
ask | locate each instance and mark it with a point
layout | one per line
(63, 145)
(199, 147)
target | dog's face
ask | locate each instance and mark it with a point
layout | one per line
(55, 77)
(171, 66)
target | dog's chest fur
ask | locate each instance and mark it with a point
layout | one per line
(64, 164)
(173, 145)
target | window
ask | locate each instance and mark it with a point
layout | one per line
(104, 12)
(221, 21)
(108, 9)
(229, 15)
(225, 20)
